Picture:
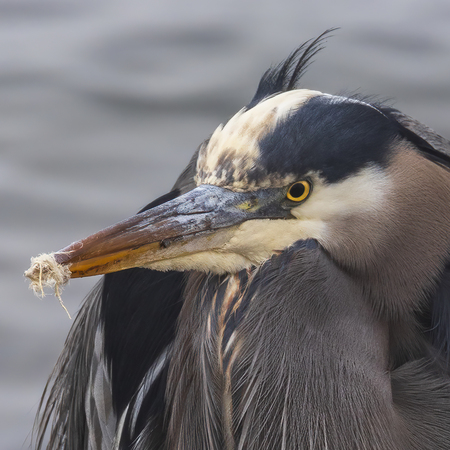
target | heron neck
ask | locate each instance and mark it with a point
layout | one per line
(398, 254)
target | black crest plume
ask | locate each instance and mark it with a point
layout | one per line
(286, 75)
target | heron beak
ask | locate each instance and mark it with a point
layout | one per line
(200, 220)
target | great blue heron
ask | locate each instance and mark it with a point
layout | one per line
(290, 292)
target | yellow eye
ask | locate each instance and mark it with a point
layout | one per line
(299, 191)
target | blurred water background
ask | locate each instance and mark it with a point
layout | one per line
(102, 104)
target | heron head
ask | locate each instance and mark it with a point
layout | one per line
(297, 165)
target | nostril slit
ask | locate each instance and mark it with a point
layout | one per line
(164, 243)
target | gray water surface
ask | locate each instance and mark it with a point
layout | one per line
(102, 103)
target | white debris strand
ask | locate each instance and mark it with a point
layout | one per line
(45, 271)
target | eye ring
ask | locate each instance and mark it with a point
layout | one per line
(299, 191)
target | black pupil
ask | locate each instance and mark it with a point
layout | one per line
(297, 190)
